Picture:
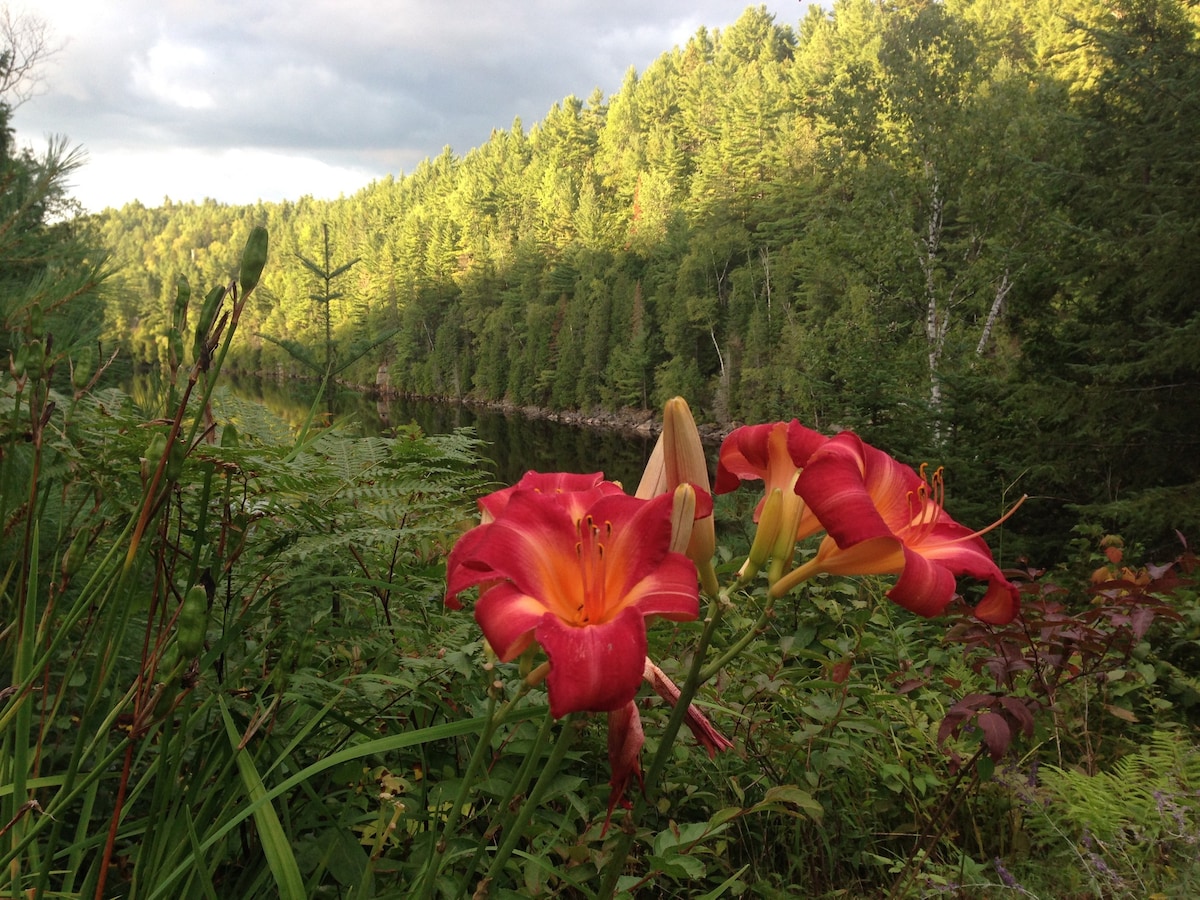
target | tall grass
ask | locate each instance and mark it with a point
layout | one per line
(183, 604)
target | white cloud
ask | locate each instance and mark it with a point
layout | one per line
(275, 99)
(174, 73)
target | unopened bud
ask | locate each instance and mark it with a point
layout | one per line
(683, 517)
(654, 478)
(768, 530)
(683, 453)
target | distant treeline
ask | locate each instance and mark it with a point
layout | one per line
(968, 229)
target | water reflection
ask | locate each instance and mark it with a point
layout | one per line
(513, 443)
(516, 443)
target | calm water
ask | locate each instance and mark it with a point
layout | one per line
(514, 443)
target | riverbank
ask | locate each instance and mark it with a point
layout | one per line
(630, 421)
(645, 423)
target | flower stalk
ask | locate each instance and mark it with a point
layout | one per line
(495, 718)
(611, 872)
(516, 827)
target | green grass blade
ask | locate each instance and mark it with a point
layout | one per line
(369, 748)
(276, 845)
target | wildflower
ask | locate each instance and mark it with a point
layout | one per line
(578, 572)
(775, 454)
(882, 517)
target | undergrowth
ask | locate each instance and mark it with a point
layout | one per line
(228, 672)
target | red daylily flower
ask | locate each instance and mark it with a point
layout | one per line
(775, 454)
(578, 572)
(882, 517)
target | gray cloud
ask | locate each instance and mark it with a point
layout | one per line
(367, 87)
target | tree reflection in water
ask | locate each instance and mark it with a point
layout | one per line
(513, 443)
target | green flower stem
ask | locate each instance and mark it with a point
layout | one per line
(239, 299)
(515, 828)
(740, 644)
(433, 867)
(687, 691)
(612, 869)
(496, 718)
(503, 821)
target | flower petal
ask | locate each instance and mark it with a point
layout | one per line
(669, 592)
(642, 571)
(924, 588)
(959, 549)
(683, 452)
(834, 486)
(743, 457)
(702, 729)
(883, 555)
(548, 483)
(507, 617)
(640, 537)
(803, 442)
(463, 569)
(960, 552)
(768, 453)
(654, 476)
(1000, 604)
(596, 668)
(533, 545)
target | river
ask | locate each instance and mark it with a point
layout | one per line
(513, 443)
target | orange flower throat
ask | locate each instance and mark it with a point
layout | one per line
(589, 549)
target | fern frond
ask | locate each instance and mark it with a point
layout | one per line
(1130, 800)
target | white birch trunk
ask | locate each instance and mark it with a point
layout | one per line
(994, 313)
(937, 314)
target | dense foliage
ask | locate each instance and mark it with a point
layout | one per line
(966, 229)
(943, 224)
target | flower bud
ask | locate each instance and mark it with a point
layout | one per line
(683, 453)
(254, 258)
(654, 478)
(686, 463)
(765, 536)
(683, 517)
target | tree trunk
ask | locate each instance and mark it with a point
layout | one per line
(1002, 290)
(937, 314)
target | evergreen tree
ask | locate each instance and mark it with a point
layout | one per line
(47, 254)
(1112, 363)
(949, 225)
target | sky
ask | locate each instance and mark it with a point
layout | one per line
(247, 100)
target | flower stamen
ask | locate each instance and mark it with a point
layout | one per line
(590, 550)
(1000, 521)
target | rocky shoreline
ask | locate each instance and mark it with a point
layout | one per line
(628, 420)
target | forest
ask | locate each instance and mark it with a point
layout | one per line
(940, 224)
(927, 622)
